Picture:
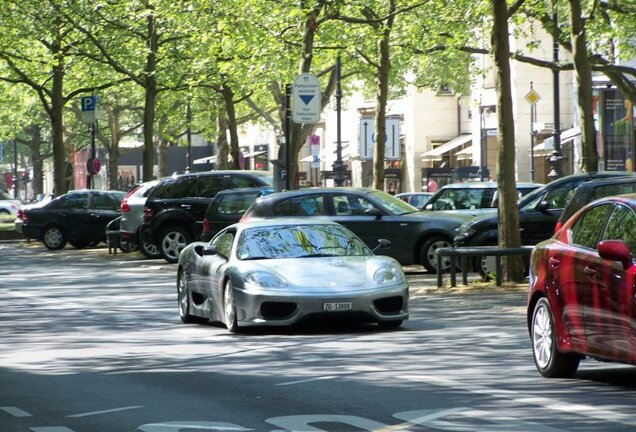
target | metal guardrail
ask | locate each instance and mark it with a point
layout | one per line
(476, 251)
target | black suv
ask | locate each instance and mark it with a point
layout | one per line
(228, 207)
(539, 212)
(174, 210)
(593, 190)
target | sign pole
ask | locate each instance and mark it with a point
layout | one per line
(338, 166)
(288, 92)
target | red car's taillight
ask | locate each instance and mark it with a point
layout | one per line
(124, 203)
(148, 214)
(206, 225)
(23, 216)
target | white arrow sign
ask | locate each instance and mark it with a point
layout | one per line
(391, 138)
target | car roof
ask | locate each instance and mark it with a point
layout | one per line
(222, 172)
(485, 185)
(607, 180)
(315, 220)
(235, 191)
(583, 177)
(319, 190)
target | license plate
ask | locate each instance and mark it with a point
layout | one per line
(336, 306)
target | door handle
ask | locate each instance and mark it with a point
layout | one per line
(186, 206)
(590, 271)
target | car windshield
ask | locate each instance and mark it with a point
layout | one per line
(392, 204)
(299, 241)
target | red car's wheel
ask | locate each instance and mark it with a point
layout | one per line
(549, 360)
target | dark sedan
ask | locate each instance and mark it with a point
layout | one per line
(77, 217)
(372, 215)
(582, 287)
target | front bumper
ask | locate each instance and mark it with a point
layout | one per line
(271, 309)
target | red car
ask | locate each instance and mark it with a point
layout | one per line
(581, 301)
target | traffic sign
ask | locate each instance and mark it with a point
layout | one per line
(391, 138)
(306, 101)
(88, 105)
(533, 97)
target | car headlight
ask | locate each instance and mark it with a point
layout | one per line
(388, 274)
(265, 280)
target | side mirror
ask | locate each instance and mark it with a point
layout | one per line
(209, 250)
(615, 250)
(373, 212)
(543, 206)
(428, 207)
(382, 244)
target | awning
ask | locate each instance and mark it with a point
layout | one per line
(547, 146)
(254, 154)
(207, 159)
(465, 154)
(436, 153)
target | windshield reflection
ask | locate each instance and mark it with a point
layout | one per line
(298, 241)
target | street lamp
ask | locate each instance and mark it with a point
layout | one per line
(556, 158)
(338, 166)
(189, 135)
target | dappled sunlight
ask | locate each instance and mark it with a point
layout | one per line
(88, 319)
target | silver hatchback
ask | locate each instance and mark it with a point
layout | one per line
(132, 208)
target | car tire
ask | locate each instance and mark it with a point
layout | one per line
(53, 237)
(550, 362)
(183, 301)
(173, 240)
(428, 257)
(150, 250)
(390, 324)
(127, 245)
(229, 309)
(78, 244)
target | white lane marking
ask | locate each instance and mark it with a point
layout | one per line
(86, 414)
(51, 429)
(177, 426)
(306, 380)
(590, 411)
(15, 411)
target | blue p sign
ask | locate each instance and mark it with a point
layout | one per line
(88, 103)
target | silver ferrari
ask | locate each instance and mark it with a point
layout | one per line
(278, 272)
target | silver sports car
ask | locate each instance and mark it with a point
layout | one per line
(278, 272)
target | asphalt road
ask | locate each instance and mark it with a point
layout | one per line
(92, 342)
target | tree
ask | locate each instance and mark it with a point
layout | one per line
(506, 184)
(39, 50)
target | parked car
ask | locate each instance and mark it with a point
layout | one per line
(280, 272)
(581, 298)
(416, 199)
(132, 207)
(475, 197)
(228, 207)
(8, 205)
(174, 210)
(78, 217)
(539, 212)
(372, 215)
(595, 189)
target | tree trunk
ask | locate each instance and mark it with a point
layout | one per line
(150, 85)
(35, 145)
(582, 68)
(222, 145)
(228, 99)
(382, 95)
(509, 235)
(61, 181)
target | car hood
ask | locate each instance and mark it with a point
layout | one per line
(320, 274)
